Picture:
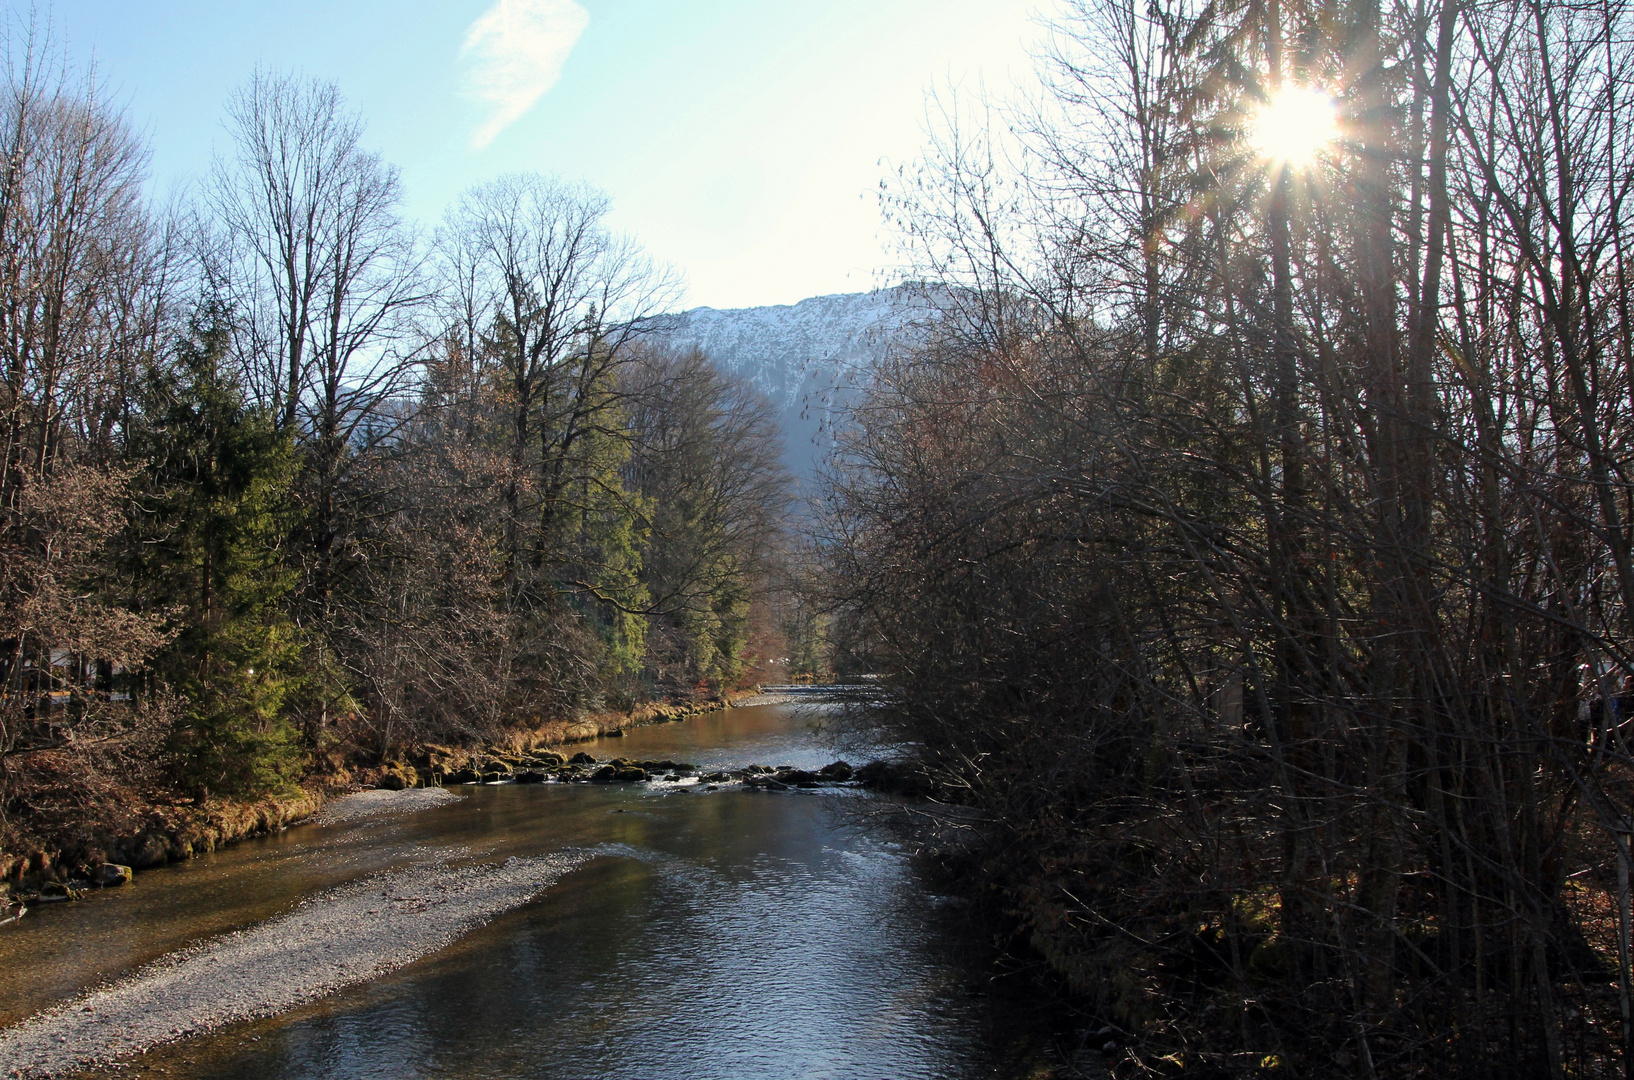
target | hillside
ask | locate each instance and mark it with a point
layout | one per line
(804, 357)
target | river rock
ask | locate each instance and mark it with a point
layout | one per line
(837, 771)
(464, 776)
(716, 777)
(873, 773)
(604, 775)
(549, 758)
(631, 775)
(895, 779)
(109, 875)
(796, 776)
(530, 777)
(581, 758)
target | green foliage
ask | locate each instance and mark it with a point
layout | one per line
(607, 534)
(210, 553)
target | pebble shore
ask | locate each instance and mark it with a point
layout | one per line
(334, 939)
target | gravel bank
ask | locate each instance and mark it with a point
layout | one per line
(370, 803)
(347, 935)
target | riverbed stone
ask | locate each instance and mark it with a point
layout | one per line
(604, 775)
(581, 758)
(631, 775)
(111, 875)
(838, 771)
(529, 776)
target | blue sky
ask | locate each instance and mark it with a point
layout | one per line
(741, 140)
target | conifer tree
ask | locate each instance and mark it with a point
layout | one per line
(218, 476)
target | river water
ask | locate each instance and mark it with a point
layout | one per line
(708, 934)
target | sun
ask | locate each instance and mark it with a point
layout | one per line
(1295, 125)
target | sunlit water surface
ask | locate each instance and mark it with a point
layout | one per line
(717, 934)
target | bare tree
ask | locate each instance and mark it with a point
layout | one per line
(325, 279)
(1281, 508)
(705, 457)
(567, 299)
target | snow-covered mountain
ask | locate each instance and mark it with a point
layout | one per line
(804, 357)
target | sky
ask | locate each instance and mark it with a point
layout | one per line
(742, 141)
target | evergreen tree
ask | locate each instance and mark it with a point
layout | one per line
(217, 481)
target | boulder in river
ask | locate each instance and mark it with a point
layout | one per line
(109, 875)
(581, 758)
(895, 779)
(796, 776)
(604, 775)
(530, 777)
(631, 775)
(837, 771)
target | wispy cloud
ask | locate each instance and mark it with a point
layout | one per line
(513, 53)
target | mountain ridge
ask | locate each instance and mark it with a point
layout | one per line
(807, 358)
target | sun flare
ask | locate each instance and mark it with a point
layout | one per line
(1295, 125)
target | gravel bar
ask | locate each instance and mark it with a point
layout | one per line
(372, 803)
(347, 935)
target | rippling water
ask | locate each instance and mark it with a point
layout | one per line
(724, 934)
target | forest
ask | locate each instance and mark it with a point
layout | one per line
(289, 484)
(1245, 547)
(1248, 547)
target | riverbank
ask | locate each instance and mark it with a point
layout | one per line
(347, 935)
(696, 930)
(146, 826)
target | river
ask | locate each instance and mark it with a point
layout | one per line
(692, 933)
